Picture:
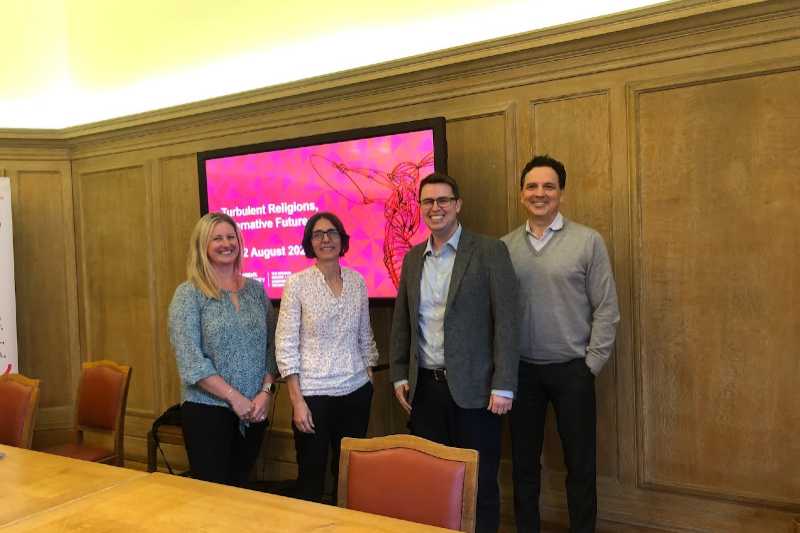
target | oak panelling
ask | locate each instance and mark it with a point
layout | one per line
(41, 281)
(387, 416)
(717, 166)
(576, 130)
(177, 210)
(47, 155)
(116, 242)
(476, 158)
(44, 257)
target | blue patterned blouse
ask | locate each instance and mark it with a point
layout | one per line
(210, 337)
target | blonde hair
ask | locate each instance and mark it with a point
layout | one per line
(199, 270)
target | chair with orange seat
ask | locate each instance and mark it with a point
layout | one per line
(19, 397)
(411, 478)
(100, 413)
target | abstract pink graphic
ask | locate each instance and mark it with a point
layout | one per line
(399, 199)
(370, 183)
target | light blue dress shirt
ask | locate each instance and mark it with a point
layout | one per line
(434, 287)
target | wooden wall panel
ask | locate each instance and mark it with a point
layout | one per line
(177, 209)
(44, 259)
(386, 416)
(476, 157)
(116, 242)
(576, 130)
(718, 167)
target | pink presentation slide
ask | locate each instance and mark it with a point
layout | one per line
(370, 184)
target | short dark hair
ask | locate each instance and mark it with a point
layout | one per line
(344, 238)
(545, 161)
(439, 177)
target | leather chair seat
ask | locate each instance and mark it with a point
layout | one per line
(82, 451)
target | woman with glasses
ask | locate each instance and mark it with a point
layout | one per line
(325, 350)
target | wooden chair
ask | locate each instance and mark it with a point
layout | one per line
(411, 478)
(99, 414)
(19, 397)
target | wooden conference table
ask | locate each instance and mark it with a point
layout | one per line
(32, 481)
(105, 498)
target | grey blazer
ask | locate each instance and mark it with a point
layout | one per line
(481, 322)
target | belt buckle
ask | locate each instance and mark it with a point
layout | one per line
(439, 375)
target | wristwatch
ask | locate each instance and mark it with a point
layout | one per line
(269, 388)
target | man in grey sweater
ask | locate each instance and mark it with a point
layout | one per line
(568, 325)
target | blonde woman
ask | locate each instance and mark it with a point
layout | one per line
(222, 328)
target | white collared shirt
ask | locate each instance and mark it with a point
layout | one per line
(539, 242)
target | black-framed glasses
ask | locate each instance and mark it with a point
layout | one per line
(332, 234)
(443, 201)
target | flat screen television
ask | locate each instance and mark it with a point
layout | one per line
(368, 177)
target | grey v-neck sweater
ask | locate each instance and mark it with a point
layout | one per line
(569, 299)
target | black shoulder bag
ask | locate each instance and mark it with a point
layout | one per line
(170, 417)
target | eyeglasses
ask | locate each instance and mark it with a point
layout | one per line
(442, 201)
(332, 235)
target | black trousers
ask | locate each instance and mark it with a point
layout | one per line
(570, 387)
(334, 417)
(435, 416)
(217, 450)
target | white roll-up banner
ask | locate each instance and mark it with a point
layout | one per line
(8, 304)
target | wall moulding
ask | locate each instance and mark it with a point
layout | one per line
(542, 60)
(44, 151)
(630, 29)
(279, 106)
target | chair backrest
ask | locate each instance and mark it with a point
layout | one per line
(19, 397)
(102, 399)
(409, 477)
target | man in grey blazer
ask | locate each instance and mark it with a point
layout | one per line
(455, 342)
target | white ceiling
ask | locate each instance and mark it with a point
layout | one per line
(71, 62)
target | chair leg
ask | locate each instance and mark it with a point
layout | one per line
(151, 452)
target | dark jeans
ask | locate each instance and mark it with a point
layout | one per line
(435, 416)
(217, 450)
(334, 417)
(570, 386)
